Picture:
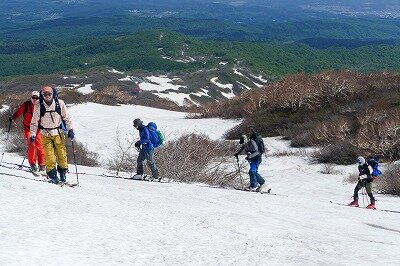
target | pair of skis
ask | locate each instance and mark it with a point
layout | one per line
(268, 192)
(347, 205)
(28, 170)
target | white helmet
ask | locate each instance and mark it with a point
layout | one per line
(361, 160)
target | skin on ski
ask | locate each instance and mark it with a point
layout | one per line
(268, 192)
(67, 184)
(383, 210)
(146, 179)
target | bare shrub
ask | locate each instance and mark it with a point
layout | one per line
(82, 155)
(4, 122)
(196, 158)
(124, 156)
(190, 158)
(389, 181)
(111, 95)
(302, 139)
(339, 153)
(16, 142)
(71, 96)
(330, 131)
(351, 178)
(379, 132)
(285, 153)
(329, 169)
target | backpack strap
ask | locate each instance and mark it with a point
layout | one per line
(57, 110)
(27, 109)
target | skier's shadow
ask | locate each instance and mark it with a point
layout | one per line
(20, 176)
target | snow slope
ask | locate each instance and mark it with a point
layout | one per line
(98, 125)
(111, 221)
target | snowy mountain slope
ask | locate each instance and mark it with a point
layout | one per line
(114, 221)
(95, 121)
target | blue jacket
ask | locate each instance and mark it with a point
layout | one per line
(145, 139)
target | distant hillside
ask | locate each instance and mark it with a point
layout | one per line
(166, 51)
(273, 31)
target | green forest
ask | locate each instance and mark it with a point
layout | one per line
(148, 50)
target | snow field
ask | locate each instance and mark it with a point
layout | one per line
(111, 221)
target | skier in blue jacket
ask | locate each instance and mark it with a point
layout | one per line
(146, 151)
(254, 159)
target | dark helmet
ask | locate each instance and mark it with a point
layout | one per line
(243, 139)
(137, 123)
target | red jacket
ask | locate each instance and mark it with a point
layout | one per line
(26, 108)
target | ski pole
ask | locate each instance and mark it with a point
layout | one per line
(366, 195)
(8, 134)
(76, 168)
(29, 146)
(240, 174)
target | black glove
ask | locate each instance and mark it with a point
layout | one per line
(71, 134)
(137, 144)
(236, 155)
(10, 119)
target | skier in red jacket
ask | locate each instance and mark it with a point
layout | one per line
(34, 148)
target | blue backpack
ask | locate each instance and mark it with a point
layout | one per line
(375, 167)
(156, 136)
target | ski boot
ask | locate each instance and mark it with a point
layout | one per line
(371, 206)
(251, 189)
(260, 187)
(137, 177)
(354, 203)
(34, 170)
(42, 170)
(63, 174)
(52, 175)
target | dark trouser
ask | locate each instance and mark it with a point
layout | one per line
(368, 188)
(149, 156)
(255, 177)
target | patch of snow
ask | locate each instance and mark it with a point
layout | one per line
(4, 108)
(182, 60)
(260, 78)
(224, 86)
(116, 71)
(228, 95)
(223, 63)
(67, 86)
(247, 87)
(162, 83)
(258, 85)
(237, 72)
(69, 77)
(204, 92)
(178, 98)
(86, 89)
(127, 78)
(151, 87)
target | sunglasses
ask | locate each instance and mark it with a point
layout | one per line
(35, 98)
(47, 94)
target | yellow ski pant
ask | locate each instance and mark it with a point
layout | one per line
(55, 151)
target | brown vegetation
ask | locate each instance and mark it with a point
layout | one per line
(389, 181)
(338, 108)
(16, 144)
(190, 158)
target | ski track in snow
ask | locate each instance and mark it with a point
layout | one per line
(111, 221)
